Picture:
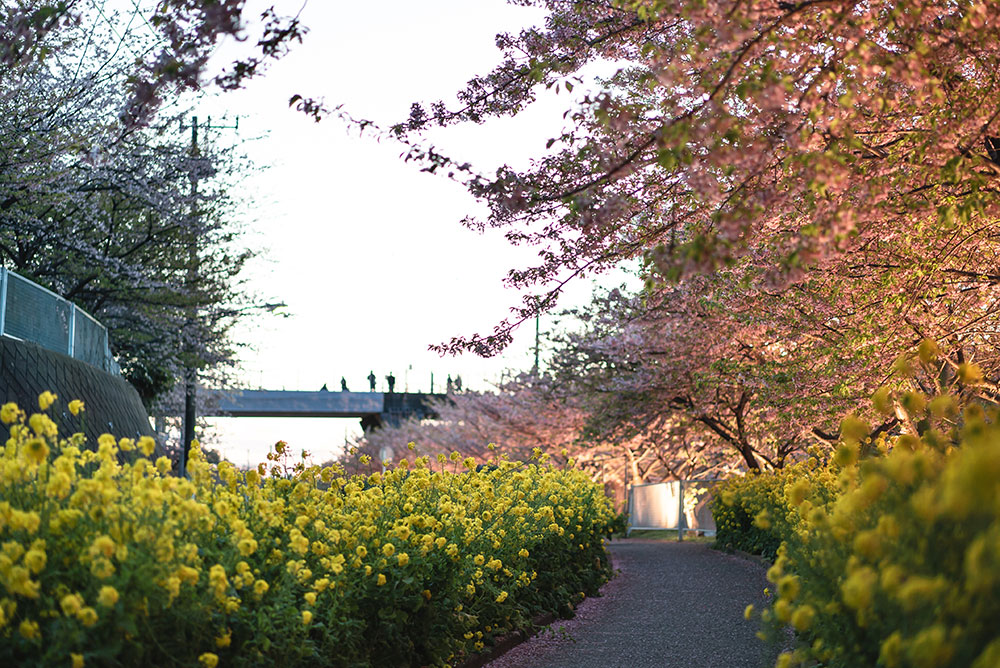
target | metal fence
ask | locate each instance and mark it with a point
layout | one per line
(677, 505)
(29, 312)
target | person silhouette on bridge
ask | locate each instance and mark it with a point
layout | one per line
(391, 380)
(323, 389)
(450, 386)
(458, 382)
(343, 384)
(371, 380)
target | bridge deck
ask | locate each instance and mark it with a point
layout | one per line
(281, 403)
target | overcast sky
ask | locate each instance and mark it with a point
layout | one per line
(367, 252)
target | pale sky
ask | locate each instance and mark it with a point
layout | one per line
(367, 252)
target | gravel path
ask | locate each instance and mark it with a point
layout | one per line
(673, 604)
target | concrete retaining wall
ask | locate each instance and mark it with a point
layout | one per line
(112, 404)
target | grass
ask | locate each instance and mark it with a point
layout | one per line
(669, 534)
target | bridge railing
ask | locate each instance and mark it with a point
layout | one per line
(29, 312)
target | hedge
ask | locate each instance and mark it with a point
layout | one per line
(107, 559)
(890, 559)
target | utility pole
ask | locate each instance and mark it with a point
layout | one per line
(191, 366)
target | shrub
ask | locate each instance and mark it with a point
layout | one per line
(108, 560)
(903, 567)
(753, 514)
(891, 559)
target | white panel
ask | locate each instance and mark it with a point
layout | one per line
(654, 505)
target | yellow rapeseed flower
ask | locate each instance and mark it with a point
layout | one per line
(35, 559)
(107, 596)
(381, 580)
(59, 485)
(857, 589)
(9, 412)
(307, 617)
(46, 399)
(102, 545)
(970, 374)
(36, 450)
(30, 629)
(71, 604)
(247, 546)
(782, 610)
(102, 568)
(209, 660)
(75, 406)
(76, 660)
(802, 618)
(87, 616)
(147, 445)
(788, 587)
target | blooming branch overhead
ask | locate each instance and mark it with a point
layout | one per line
(790, 132)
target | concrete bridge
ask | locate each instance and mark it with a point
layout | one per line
(375, 409)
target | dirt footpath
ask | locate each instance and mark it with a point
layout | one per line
(673, 604)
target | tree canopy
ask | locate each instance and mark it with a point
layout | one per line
(134, 223)
(789, 134)
(181, 36)
(811, 188)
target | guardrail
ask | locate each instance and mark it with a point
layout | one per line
(676, 505)
(29, 312)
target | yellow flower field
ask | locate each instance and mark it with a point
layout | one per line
(107, 559)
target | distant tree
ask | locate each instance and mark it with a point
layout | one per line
(528, 412)
(766, 372)
(110, 219)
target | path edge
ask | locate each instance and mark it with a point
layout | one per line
(515, 638)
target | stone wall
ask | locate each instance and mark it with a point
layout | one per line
(112, 404)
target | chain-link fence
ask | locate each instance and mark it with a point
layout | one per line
(29, 312)
(678, 505)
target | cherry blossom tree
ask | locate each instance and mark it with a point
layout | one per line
(810, 186)
(767, 372)
(796, 133)
(531, 411)
(109, 217)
